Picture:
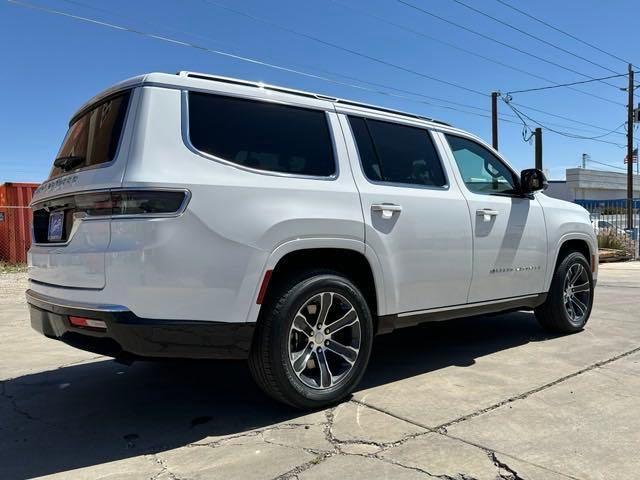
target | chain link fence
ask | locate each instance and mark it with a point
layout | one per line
(15, 234)
(610, 221)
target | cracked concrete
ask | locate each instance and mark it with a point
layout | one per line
(432, 453)
(488, 398)
(357, 423)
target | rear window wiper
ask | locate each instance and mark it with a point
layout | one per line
(68, 162)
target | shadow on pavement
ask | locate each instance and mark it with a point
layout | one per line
(94, 413)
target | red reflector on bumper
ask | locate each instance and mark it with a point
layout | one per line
(87, 322)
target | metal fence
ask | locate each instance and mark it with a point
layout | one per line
(610, 221)
(15, 233)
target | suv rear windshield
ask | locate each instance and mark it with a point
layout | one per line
(93, 137)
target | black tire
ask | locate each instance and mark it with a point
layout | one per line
(554, 314)
(269, 358)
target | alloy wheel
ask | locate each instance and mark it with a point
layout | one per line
(324, 340)
(576, 293)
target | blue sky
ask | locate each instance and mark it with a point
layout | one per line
(52, 64)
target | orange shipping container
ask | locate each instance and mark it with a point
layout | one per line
(15, 221)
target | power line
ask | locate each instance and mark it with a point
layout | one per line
(461, 49)
(344, 49)
(606, 164)
(335, 74)
(569, 119)
(276, 25)
(483, 109)
(295, 32)
(485, 115)
(499, 42)
(283, 68)
(144, 20)
(535, 37)
(355, 52)
(305, 35)
(524, 116)
(568, 84)
(237, 57)
(570, 35)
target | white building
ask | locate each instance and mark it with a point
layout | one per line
(585, 185)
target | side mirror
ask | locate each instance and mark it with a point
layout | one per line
(533, 180)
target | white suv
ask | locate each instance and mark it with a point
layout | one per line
(197, 216)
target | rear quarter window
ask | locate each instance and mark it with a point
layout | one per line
(261, 135)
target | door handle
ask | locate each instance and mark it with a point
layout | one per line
(486, 213)
(387, 209)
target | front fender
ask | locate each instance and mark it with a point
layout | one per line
(589, 239)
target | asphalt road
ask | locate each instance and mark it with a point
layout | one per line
(481, 398)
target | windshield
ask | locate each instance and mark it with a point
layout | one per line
(92, 138)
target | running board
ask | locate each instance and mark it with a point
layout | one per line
(388, 323)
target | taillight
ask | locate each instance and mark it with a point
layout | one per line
(131, 202)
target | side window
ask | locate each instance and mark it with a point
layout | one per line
(262, 135)
(481, 170)
(395, 153)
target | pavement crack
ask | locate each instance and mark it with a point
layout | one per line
(328, 428)
(382, 445)
(442, 430)
(222, 441)
(164, 467)
(14, 404)
(459, 476)
(293, 473)
(252, 434)
(521, 396)
(427, 428)
(510, 474)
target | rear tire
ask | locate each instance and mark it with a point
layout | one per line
(570, 299)
(296, 362)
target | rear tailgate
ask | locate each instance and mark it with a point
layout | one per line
(68, 248)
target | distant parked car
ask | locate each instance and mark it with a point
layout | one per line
(603, 225)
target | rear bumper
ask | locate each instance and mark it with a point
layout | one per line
(128, 336)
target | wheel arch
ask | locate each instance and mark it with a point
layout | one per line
(574, 242)
(346, 256)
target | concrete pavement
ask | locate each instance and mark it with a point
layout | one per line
(482, 398)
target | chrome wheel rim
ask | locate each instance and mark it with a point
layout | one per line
(324, 340)
(576, 293)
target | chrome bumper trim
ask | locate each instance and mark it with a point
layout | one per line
(33, 297)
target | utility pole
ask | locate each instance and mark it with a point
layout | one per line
(630, 151)
(538, 134)
(494, 119)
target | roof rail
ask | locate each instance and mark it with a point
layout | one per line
(302, 93)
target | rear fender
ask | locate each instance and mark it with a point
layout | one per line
(311, 243)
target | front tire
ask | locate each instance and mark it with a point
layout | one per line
(313, 340)
(570, 299)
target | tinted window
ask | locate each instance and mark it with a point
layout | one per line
(93, 137)
(261, 135)
(396, 153)
(481, 170)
